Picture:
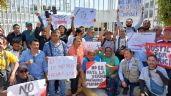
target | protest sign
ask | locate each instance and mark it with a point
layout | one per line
(62, 67)
(84, 16)
(96, 74)
(92, 45)
(129, 7)
(32, 88)
(60, 20)
(162, 51)
(136, 41)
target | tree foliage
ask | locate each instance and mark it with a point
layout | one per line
(164, 11)
(3, 4)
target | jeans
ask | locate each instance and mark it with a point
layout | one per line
(51, 88)
(112, 85)
(130, 88)
(74, 84)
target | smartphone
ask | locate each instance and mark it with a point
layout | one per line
(47, 14)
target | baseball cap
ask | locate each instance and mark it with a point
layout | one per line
(167, 29)
(28, 23)
(23, 68)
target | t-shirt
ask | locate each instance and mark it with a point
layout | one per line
(29, 36)
(155, 76)
(108, 61)
(12, 36)
(10, 58)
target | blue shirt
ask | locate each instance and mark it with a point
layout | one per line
(39, 66)
(140, 66)
(88, 38)
(85, 60)
(57, 50)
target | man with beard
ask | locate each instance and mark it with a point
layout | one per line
(129, 22)
(146, 25)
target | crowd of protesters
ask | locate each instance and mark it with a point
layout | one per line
(24, 57)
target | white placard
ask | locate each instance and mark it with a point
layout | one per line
(84, 16)
(33, 88)
(128, 8)
(62, 67)
(92, 45)
(137, 41)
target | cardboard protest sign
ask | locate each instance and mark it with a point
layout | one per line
(162, 51)
(92, 45)
(129, 7)
(60, 20)
(32, 88)
(137, 41)
(84, 16)
(62, 67)
(96, 74)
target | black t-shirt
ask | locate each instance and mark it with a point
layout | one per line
(12, 36)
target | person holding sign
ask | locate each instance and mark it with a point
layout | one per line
(112, 62)
(129, 71)
(154, 78)
(76, 50)
(91, 57)
(78, 33)
(55, 47)
(167, 39)
(129, 22)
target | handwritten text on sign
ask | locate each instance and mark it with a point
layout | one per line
(62, 67)
(96, 74)
(92, 45)
(162, 51)
(129, 7)
(33, 88)
(84, 16)
(136, 41)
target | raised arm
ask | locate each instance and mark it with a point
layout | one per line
(140, 20)
(41, 21)
(117, 20)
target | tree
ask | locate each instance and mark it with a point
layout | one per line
(164, 11)
(3, 4)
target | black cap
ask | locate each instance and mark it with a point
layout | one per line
(23, 68)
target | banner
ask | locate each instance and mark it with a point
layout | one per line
(162, 51)
(96, 74)
(62, 67)
(128, 8)
(32, 88)
(92, 45)
(137, 41)
(84, 16)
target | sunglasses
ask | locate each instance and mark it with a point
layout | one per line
(22, 71)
